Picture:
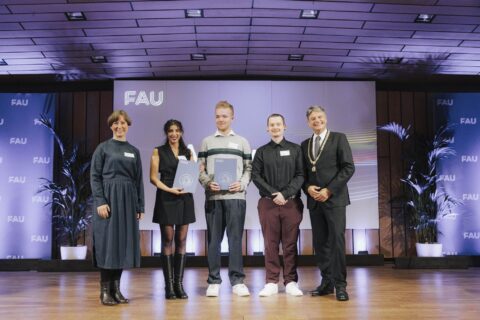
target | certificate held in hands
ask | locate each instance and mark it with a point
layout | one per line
(186, 176)
(225, 172)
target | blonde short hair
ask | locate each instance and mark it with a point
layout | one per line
(224, 105)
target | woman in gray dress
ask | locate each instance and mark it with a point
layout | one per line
(117, 188)
(174, 209)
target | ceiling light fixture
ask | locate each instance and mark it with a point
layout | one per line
(98, 59)
(198, 56)
(194, 13)
(295, 57)
(309, 14)
(424, 18)
(75, 16)
(392, 60)
(3, 62)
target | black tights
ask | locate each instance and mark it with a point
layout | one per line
(110, 275)
(168, 232)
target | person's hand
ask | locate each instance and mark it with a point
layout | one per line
(103, 211)
(323, 195)
(139, 215)
(235, 187)
(313, 191)
(279, 199)
(214, 186)
(176, 191)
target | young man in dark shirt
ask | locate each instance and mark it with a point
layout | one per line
(277, 171)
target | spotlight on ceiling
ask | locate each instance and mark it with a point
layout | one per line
(194, 13)
(295, 57)
(98, 59)
(198, 56)
(309, 14)
(392, 60)
(3, 62)
(424, 18)
(75, 16)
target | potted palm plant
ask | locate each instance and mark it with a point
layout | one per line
(425, 202)
(70, 197)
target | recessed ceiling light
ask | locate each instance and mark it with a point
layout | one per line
(3, 62)
(309, 14)
(295, 57)
(392, 60)
(194, 13)
(75, 16)
(198, 56)
(424, 18)
(98, 59)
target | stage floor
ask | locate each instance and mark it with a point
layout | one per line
(375, 293)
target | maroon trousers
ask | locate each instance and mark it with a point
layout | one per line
(280, 224)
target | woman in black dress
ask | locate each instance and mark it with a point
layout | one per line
(174, 209)
(117, 187)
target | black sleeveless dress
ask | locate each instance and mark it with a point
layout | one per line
(170, 208)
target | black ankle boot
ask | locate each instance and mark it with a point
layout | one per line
(180, 260)
(167, 266)
(105, 297)
(116, 293)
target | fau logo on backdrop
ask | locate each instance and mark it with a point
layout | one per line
(17, 179)
(19, 102)
(446, 177)
(14, 257)
(16, 140)
(38, 238)
(445, 102)
(470, 196)
(142, 98)
(470, 158)
(15, 219)
(41, 160)
(468, 121)
(37, 122)
(40, 199)
(471, 235)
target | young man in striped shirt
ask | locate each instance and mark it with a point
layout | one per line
(225, 209)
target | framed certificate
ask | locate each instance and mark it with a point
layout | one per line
(225, 172)
(186, 176)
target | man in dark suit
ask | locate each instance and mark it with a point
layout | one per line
(328, 167)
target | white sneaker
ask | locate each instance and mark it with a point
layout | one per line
(213, 290)
(241, 290)
(292, 289)
(269, 290)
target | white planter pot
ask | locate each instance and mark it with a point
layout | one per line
(73, 253)
(429, 249)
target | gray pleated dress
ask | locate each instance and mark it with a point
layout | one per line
(116, 179)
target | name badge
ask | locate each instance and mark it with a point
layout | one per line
(129, 155)
(232, 145)
(284, 153)
(182, 158)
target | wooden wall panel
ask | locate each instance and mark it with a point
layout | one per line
(372, 236)
(349, 241)
(306, 242)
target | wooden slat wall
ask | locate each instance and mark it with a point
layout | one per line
(82, 115)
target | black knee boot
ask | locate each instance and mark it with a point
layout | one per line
(180, 260)
(105, 296)
(167, 266)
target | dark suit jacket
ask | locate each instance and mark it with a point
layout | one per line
(333, 170)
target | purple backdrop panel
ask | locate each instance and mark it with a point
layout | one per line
(152, 103)
(460, 175)
(26, 155)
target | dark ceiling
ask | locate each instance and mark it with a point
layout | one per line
(350, 39)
